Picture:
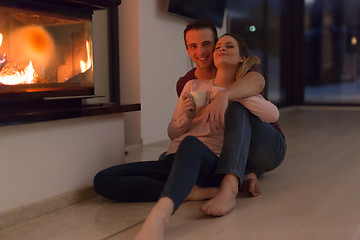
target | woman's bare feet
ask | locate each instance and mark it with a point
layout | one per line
(224, 201)
(154, 225)
(200, 193)
(250, 184)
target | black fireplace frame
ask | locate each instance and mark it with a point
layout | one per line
(20, 112)
(82, 8)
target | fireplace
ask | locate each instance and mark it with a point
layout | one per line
(46, 59)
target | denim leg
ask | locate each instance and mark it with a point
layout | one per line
(194, 163)
(134, 182)
(237, 138)
(250, 145)
(267, 148)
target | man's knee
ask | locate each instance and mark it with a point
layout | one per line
(236, 110)
(235, 107)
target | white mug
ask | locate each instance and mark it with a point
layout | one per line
(200, 97)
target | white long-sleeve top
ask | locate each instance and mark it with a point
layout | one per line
(181, 126)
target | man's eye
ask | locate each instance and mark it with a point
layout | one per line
(192, 46)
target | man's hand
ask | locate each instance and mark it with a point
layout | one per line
(188, 105)
(215, 115)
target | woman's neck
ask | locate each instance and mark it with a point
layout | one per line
(225, 77)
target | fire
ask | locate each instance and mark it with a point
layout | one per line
(2, 55)
(26, 76)
(33, 43)
(86, 65)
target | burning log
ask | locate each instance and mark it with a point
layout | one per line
(11, 74)
(83, 79)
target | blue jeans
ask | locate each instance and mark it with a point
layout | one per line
(174, 177)
(250, 145)
(194, 163)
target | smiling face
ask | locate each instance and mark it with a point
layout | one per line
(200, 47)
(227, 52)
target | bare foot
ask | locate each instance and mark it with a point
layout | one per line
(200, 193)
(224, 201)
(154, 225)
(250, 184)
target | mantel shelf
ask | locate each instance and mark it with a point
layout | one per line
(41, 115)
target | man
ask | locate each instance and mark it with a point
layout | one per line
(200, 38)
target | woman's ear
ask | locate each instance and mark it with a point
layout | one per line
(242, 59)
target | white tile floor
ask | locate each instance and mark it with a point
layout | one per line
(312, 195)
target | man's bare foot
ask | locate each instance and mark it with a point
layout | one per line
(250, 184)
(154, 225)
(200, 193)
(224, 201)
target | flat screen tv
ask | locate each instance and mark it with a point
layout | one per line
(199, 9)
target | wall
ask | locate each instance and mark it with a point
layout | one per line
(130, 67)
(43, 160)
(154, 40)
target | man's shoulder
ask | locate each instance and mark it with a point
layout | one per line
(255, 68)
(184, 79)
(188, 76)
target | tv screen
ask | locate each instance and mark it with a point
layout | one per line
(199, 9)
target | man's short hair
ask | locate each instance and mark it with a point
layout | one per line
(201, 24)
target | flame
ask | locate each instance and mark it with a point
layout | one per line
(86, 65)
(1, 39)
(26, 76)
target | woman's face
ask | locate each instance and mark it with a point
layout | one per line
(227, 52)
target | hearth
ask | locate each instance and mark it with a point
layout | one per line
(46, 57)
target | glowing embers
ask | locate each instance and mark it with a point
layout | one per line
(11, 75)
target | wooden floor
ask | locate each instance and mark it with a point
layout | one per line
(313, 195)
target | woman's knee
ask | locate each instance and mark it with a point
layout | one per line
(189, 149)
(189, 141)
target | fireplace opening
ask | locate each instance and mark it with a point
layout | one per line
(43, 56)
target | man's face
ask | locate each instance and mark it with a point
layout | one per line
(200, 47)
